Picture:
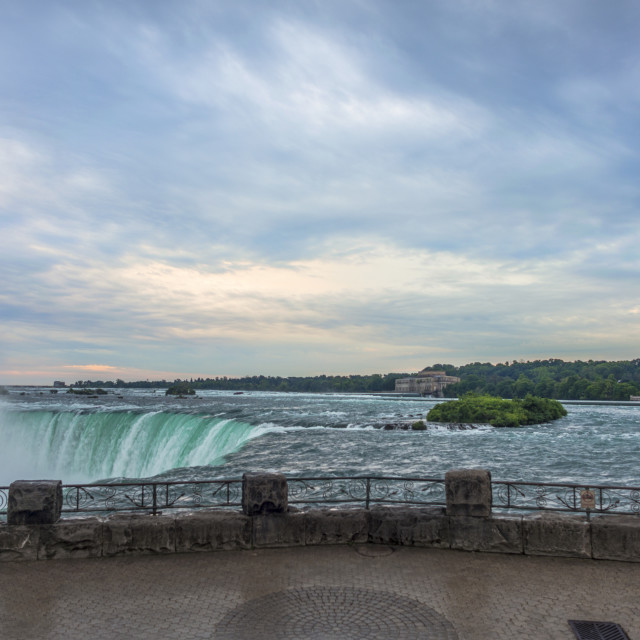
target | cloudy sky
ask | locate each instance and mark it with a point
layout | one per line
(202, 187)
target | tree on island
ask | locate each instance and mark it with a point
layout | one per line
(87, 391)
(180, 389)
(475, 409)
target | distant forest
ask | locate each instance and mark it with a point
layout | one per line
(591, 380)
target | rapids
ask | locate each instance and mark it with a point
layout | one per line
(138, 433)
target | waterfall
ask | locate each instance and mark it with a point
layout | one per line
(83, 446)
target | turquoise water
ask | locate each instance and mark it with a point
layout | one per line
(222, 435)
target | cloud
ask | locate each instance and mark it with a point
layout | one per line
(231, 187)
(102, 368)
(378, 296)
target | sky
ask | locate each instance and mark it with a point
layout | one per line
(206, 188)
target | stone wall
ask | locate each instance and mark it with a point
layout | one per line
(605, 537)
(266, 520)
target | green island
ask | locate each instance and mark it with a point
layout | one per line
(485, 409)
(87, 391)
(180, 389)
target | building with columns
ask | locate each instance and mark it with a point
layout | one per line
(426, 383)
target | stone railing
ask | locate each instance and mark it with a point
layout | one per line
(462, 518)
(507, 496)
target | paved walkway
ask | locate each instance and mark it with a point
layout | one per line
(365, 591)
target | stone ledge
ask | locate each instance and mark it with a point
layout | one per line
(549, 534)
(19, 542)
(336, 526)
(498, 534)
(72, 538)
(279, 530)
(610, 537)
(409, 526)
(616, 538)
(138, 534)
(213, 530)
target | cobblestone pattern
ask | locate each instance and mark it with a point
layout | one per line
(334, 613)
(187, 596)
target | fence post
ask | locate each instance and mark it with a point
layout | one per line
(34, 502)
(368, 493)
(264, 493)
(468, 492)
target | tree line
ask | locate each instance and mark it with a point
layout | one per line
(553, 378)
(310, 384)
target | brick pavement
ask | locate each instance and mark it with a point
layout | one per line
(345, 592)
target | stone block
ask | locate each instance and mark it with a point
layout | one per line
(71, 538)
(264, 493)
(213, 531)
(279, 530)
(498, 534)
(616, 538)
(138, 534)
(550, 534)
(409, 526)
(468, 492)
(34, 502)
(19, 542)
(336, 526)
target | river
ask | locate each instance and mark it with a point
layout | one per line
(135, 433)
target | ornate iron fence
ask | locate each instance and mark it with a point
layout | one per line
(577, 498)
(366, 491)
(151, 496)
(154, 497)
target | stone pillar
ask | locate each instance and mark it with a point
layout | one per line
(34, 502)
(264, 493)
(468, 492)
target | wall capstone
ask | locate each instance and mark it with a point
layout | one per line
(616, 538)
(34, 502)
(264, 493)
(468, 492)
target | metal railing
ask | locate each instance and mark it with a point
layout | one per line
(367, 491)
(151, 496)
(575, 498)
(154, 497)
